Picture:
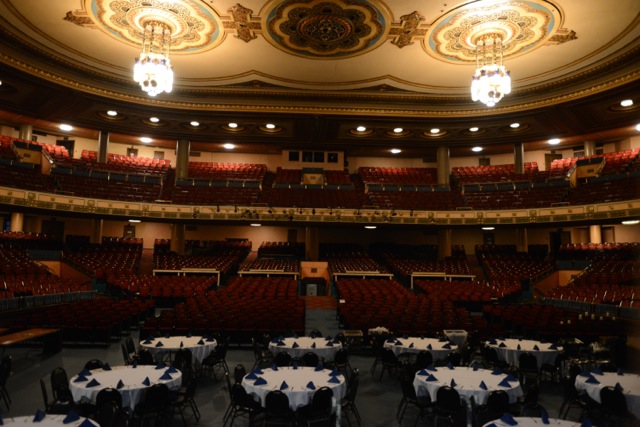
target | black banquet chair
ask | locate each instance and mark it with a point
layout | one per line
(277, 410)
(5, 373)
(448, 407)
(318, 412)
(348, 403)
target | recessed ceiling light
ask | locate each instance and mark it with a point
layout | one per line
(435, 130)
(473, 129)
(627, 103)
(233, 125)
(146, 139)
(370, 227)
(488, 228)
(270, 126)
(66, 128)
(361, 128)
(476, 149)
(112, 113)
(398, 130)
(154, 119)
(134, 220)
(396, 151)
(195, 124)
(229, 146)
(255, 224)
(631, 222)
(514, 125)
(638, 127)
(554, 141)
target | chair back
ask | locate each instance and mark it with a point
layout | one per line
(527, 362)
(352, 385)
(315, 333)
(238, 373)
(45, 395)
(238, 394)
(276, 403)
(310, 359)
(448, 399)
(341, 357)
(423, 359)
(532, 393)
(321, 401)
(283, 359)
(145, 357)
(613, 401)
(454, 358)
(125, 355)
(157, 395)
(498, 401)
(93, 364)
(184, 354)
(130, 346)
(60, 385)
(388, 356)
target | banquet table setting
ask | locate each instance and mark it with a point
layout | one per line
(507, 421)
(298, 383)
(468, 381)
(41, 419)
(438, 347)
(592, 382)
(510, 349)
(130, 381)
(199, 346)
(324, 347)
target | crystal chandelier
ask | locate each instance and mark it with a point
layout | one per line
(153, 68)
(491, 80)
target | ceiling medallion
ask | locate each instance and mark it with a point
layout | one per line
(322, 29)
(520, 25)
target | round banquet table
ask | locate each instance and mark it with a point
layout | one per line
(298, 347)
(510, 349)
(533, 422)
(48, 421)
(630, 384)
(131, 377)
(298, 392)
(467, 381)
(438, 349)
(200, 347)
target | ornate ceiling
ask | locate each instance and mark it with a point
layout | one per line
(318, 69)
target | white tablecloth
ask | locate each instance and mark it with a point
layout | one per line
(510, 351)
(304, 345)
(630, 384)
(416, 345)
(130, 376)
(456, 336)
(48, 421)
(173, 344)
(297, 379)
(533, 422)
(467, 383)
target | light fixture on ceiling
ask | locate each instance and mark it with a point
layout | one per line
(361, 128)
(554, 141)
(194, 123)
(112, 113)
(491, 80)
(514, 125)
(398, 130)
(66, 128)
(631, 222)
(154, 119)
(476, 149)
(396, 151)
(229, 146)
(626, 103)
(474, 129)
(488, 228)
(145, 139)
(153, 70)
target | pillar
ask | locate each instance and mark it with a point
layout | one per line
(518, 157)
(17, 221)
(103, 145)
(589, 147)
(443, 166)
(96, 231)
(177, 238)
(26, 132)
(522, 240)
(312, 247)
(595, 234)
(444, 243)
(182, 158)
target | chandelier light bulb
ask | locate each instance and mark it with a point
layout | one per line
(153, 70)
(491, 80)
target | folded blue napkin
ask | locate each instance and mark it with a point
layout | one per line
(275, 341)
(258, 371)
(281, 344)
(453, 383)
(502, 345)
(120, 384)
(584, 374)
(429, 346)
(134, 364)
(511, 378)
(251, 376)
(475, 366)
(443, 339)
(159, 344)
(294, 364)
(260, 381)
(447, 345)
(93, 383)
(553, 347)
(39, 416)
(328, 338)
(504, 383)
(147, 341)
(80, 379)
(284, 385)
(586, 423)
(313, 345)
(181, 344)
(450, 365)
(492, 341)
(329, 343)
(398, 342)
(431, 368)
(201, 342)
(311, 386)
(334, 373)
(106, 367)
(618, 387)
(146, 382)
(483, 385)
(166, 376)
(518, 348)
(491, 425)
(508, 419)
(295, 345)
(189, 334)
(431, 378)
(422, 372)
(319, 367)
(496, 372)
(544, 416)
(71, 417)
(592, 380)
(85, 372)
(334, 380)
(391, 339)
(274, 367)
(597, 371)
(210, 339)
(620, 371)
(160, 365)
(86, 423)
(171, 370)
(536, 348)
(411, 345)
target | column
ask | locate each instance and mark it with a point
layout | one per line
(96, 231)
(589, 147)
(26, 132)
(522, 241)
(177, 238)
(443, 166)
(17, 221)
(595, 234)
(444, 243)
(518, 157)
(103, 145)
(182, 158)
(312, 247)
